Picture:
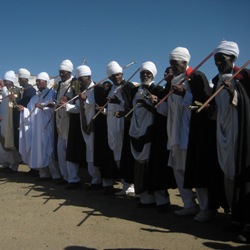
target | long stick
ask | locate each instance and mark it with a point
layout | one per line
(184, 79)
(221, 87)
(105, 105)
(84, 91)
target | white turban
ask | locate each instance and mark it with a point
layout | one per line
(113, 68)
(66, 65)
(180, 54)
(228, 48)
(43, 76)
(23, 73)
(10, 76)
(83, 70)
(150, 66)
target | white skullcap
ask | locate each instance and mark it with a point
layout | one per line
(113, 68)
(180, 54)
(23, 73)
(43, 76)
(66, 65)
(10, 76)
(83, 70)
(228, 48)
(150, 66)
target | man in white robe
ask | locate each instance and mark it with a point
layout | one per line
(9, 155)
(36, 143)
(85, 105)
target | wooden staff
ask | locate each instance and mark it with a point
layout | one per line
(117, 90)
(84, 91)
(184, 79)
(221, 87)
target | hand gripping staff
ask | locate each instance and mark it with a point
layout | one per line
(84, 91)
(117, 90)
(184, 79)
(148, 95)
(221, 87)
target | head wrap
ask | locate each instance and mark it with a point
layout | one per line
(43, 76)
(23, 73)
(150, 66)
(66, 65)
(180, 54)
(113, 68)
(10, 76)
(83, 70)
(228, 48)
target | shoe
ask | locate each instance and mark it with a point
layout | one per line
(108, 190)
(61, 182)
(205, 215)
(33, 173)
(233, 228)
(187, 211)
(3, 169)
(121, 193)
(93, 187)
(73, 185)
(145, 205)
(164, 208)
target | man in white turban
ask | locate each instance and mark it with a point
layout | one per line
(9, 155)
(120, 97)
(188, 135)
(36, 143)
(233, 146)
(146, 138)
(85, 106)
(68, 128)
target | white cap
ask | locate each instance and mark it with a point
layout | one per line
(43, 76)
(150, 66)
(66, 65)
(113, 68)
(10, 76)
(180, 54)
(23, 73)
(83, 70)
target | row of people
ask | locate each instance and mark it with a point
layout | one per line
(126, 132)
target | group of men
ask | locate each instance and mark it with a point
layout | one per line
(125, 131)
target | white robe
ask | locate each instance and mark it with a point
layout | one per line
(140, 121)
(178, 124)
(115, 125)
(36, 145)
(227, 130)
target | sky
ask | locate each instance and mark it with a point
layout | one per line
(39, 35)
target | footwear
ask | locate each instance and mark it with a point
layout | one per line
(121, 193)
(205, 215)
(73, 185)
(33, 173)
(187, 211)
(145, 205)
(130, 191)
(164, 208)
(93, 187)
(233, 228)
(108, 190)
(61, 182)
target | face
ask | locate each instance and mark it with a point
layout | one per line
(23, 81)
(146, 77)
(8, 84)
(116, 78)
(65, 75)
(84, 81)
(224, 63)
(41, 84)
(107, 85)
(178, 67)
(168, 74)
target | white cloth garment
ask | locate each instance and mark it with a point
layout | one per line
(37, 144)
(227, 130)
(140, 121)
(115, 125)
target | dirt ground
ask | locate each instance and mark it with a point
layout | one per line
(42, 215)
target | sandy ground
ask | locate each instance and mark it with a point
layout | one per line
(42, 215)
